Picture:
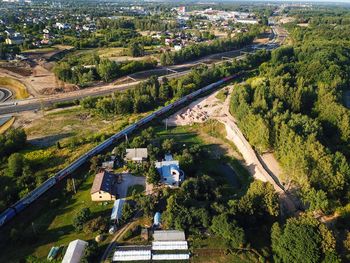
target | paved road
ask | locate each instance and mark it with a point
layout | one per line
(5, 94)
(183, 69)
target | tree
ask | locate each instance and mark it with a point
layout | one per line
(136, 49)
(153, 176)
(128, 211)
(90, 252)
(81, 218)
(108, 70)
(229, 230)
(15, 165)
(168, 145)
(302, 240)
(316, 200)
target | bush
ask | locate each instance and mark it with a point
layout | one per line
(81, 218)
(97, 224)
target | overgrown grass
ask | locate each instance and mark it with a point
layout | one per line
(16, 86)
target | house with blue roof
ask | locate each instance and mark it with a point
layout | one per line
(170, 172)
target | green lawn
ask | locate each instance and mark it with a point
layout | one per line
(54, 226)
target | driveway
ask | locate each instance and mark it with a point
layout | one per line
(127, 181)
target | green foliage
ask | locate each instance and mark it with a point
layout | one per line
(199, 50)
(81, 218)
(295, 107)
(83, 71)
(91, 253)
(229, 230)
(152, 175)
(15, 165)
(12, 141)
(128, 211)
(136, 49)
(302, 239)
(316, 200)
(97, 224)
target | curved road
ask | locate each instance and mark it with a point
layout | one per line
(5, 94)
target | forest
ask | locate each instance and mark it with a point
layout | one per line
(295, 107)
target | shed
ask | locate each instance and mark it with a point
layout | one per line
(136, 154)
(157, 219)
(117, 210)
(75, 251)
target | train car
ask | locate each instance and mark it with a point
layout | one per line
(7, 215)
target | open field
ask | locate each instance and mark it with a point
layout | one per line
(54, 225)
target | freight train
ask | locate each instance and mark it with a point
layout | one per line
(22, 204)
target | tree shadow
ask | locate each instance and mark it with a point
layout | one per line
(49, 140)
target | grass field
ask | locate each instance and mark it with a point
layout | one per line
(54, 225)
(16, 86)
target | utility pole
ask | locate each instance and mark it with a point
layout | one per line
(33, 228)
(74, 189)
(166, 124)
(126, 139)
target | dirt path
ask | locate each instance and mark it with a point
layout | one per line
(264, 168)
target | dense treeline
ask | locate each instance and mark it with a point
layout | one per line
(203, 49)
(151, 94)
(83, 71)
(154, 23)
(295, 107)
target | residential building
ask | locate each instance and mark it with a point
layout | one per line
(104, 187)
(170, 172)
(75, 251)
(136, 154)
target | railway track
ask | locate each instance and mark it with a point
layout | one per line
(25, 202)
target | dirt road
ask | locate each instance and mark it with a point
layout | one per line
(264, 168)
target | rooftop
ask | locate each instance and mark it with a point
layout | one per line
(103, 181)
(74, 251)
(169, 235)
(136, 154)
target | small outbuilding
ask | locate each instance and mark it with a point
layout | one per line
(117, 210)
(157, 219)
(75, 251)
(136, 154)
